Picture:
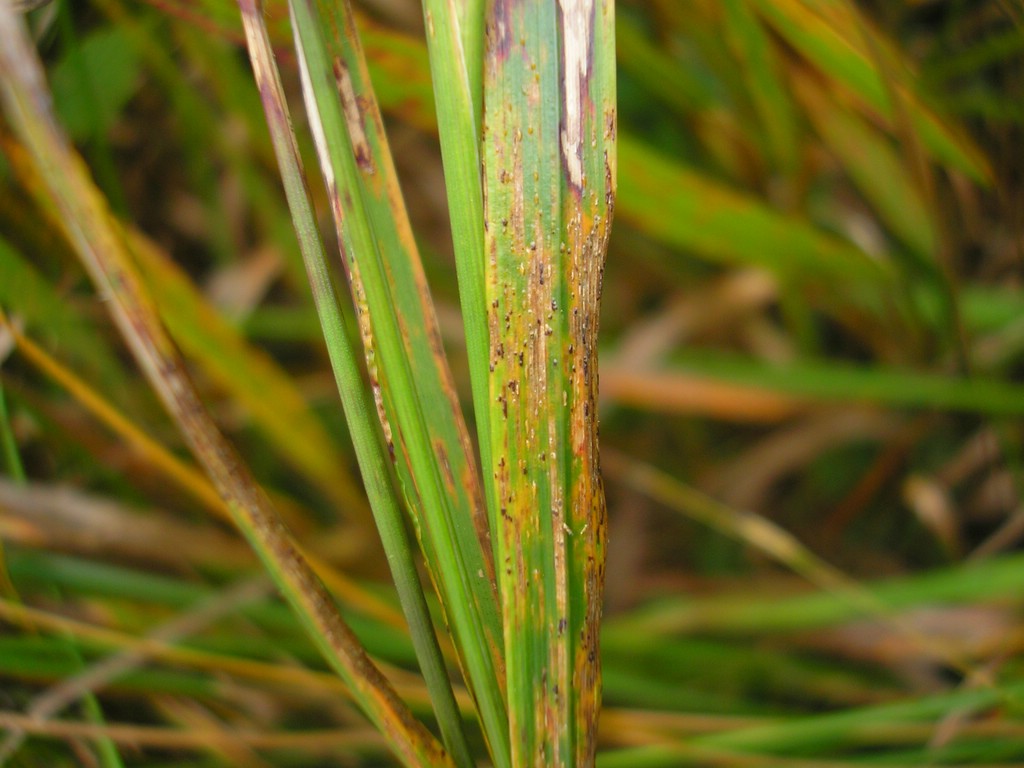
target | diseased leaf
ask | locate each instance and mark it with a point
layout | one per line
(549, 169)
(412, 387)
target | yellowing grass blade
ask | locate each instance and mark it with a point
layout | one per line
(549, 160)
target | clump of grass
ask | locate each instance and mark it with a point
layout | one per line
(809, 345)
(421, 423)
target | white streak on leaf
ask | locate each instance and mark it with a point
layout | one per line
(576, 15)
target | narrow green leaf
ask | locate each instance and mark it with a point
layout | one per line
(354, 396)
(825, 730)
(471, 34)
(842, 382)
(459, 105)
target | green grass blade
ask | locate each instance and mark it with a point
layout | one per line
(459, 104)
(104, 253)
(999, 579)
(428, 650)
(549, 169)
(840, 382)
(420, 412)
(828, 731)
(471, 28)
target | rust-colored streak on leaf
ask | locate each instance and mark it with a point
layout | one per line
(588, 522)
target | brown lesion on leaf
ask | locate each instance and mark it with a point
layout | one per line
(446, 468)
(353, 107)
(500, 29)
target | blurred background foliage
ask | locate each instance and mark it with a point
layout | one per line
(811, 402)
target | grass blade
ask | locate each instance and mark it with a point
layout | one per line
(459, 103)
(549, 169)
(455, 34)
(826, 381)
